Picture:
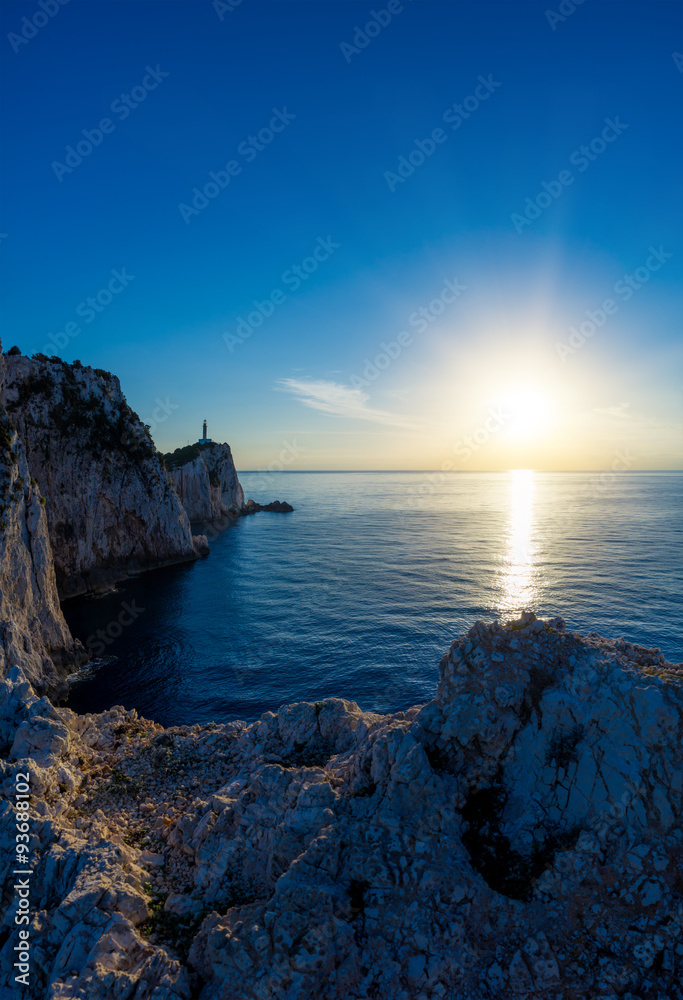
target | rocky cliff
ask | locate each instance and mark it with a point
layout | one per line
(206, 481)
(518, 836)
(33, 633)
(111, 509)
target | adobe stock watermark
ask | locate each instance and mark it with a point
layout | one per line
(625, 288)
(678, 60)
(121, 107)
(31, 26)
(420, 319)
(378, 21)
(454, 115)
(98, 642)
(160, 414)
(464, 448)
(598, 485)
(469, 445)
(89, 309)
(565, 10)
(223, 7)
(581, 158)
(328, 581)
(289, 453)
(292, 278)
(22, 872)
(249, 149)
(258, 658)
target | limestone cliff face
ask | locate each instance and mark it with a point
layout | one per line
(518, 836)
(111, 509)
(206, 481)
(33, 633)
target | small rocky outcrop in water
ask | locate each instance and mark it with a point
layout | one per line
(276, 506)
(33, 633)
(518, 836)
(205, 479)
(111, 510)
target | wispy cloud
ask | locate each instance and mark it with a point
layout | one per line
(400, 394)
(339, 400)
(619, 412)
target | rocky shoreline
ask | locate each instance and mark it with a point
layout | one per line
(517, 836)
(114, 506)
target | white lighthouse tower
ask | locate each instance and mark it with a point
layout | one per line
(204, 439)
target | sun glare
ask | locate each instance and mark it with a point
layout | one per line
(528, 414)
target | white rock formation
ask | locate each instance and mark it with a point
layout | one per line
(111, 509)
(518, 836)
(33, 633)
(207, 484)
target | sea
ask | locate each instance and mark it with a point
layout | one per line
(361, 589)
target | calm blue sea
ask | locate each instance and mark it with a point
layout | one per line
(359, 591)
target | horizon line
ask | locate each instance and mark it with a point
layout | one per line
(446, 472)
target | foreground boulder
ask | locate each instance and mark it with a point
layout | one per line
(518, 836)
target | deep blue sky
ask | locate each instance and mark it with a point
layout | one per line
(324, 176)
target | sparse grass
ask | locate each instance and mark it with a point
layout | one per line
(136, 837)
(172, 930)
(122, 785)
(128, 729)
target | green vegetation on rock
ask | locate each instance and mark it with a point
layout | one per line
(181, 456)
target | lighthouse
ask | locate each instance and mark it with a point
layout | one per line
(204, 439)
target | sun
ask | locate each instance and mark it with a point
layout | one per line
(528, 414)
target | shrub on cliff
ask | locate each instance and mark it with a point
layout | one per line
(181, 456)
(74, 409)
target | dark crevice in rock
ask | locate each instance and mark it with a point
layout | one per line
(365, 791)
(540, 678)
(504, 869)
(314, 754)
(440, 761)
(562, 749)
(357, 889)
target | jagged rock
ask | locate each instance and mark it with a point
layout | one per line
(276, 506)
(33, 632)
(206, 481)
(519, 835)
(201, 544)
(111, 509)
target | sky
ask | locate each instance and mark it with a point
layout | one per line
(421, 234)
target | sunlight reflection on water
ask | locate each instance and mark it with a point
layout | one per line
(519, 574)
